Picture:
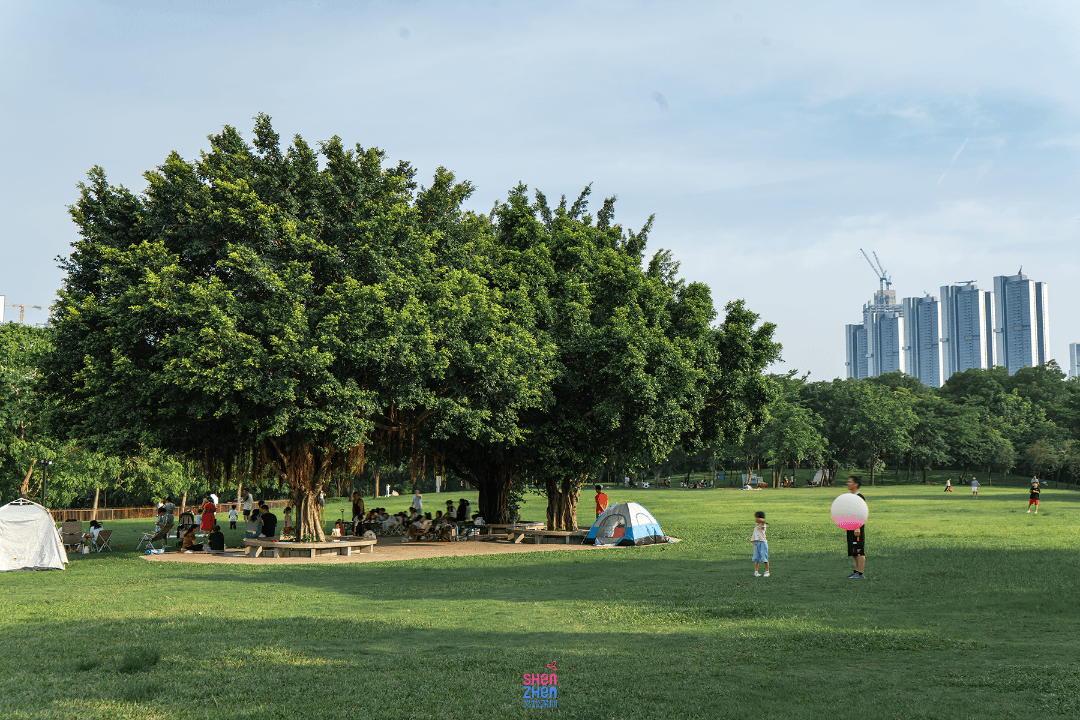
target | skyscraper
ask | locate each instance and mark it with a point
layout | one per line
(1074, 360)
(922, 339)
(1021, 325)
(877, 345)
(857, 365)
(967, 335)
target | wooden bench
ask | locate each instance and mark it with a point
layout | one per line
(272, 548)
(508, 531)
(540, 536)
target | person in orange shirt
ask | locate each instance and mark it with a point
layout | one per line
(601, 500)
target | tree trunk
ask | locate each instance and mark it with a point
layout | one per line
(93, 513)
(183, 503)
(24, 487)
(562, 503)
(308, 520)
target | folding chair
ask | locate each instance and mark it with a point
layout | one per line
(102, 542)
(71, 535)
(149, 538)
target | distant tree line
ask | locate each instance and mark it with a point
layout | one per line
(980, 420)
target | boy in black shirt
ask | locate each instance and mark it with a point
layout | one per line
(216, 540)
(1033, 497)
(856, 539)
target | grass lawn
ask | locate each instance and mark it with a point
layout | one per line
(969, 611)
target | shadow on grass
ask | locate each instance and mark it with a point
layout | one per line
(329, 668)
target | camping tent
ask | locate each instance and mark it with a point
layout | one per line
(625, 524)
(28, 538)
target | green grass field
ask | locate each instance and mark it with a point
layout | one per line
(969, 611)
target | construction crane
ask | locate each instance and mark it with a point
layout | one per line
(884, 280)
(22, 309)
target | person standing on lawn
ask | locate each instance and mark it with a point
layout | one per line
(760, 543)
(417, 502)
(601, 500)
(974, 488)
(856, 539)
(209, 509)
(948, 485)
(1033, 497)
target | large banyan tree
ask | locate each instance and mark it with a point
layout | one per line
(280, 321)
(637, 365)
(285, 315)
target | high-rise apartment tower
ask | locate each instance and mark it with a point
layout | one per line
(967, 337)
(1022, 322)
(922, 339)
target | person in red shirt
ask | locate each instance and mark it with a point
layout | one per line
(601, 500)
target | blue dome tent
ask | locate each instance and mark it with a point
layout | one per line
(625, 524)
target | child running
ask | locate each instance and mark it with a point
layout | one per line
(760, 543)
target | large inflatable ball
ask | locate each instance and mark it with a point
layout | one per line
(849, 511)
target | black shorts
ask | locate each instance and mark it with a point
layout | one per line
(247, 513)
(856, 546)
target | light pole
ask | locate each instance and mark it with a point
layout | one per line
(45, 479)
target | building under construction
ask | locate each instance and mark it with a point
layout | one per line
(931, 339)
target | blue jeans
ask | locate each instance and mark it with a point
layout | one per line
(761, 551)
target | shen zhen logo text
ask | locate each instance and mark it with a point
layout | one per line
(541, 689)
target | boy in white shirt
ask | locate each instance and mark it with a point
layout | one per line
(232, 518)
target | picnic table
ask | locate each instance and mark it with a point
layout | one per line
(338, 546)
(542, 535)
(513, 531)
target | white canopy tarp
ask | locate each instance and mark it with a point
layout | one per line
(28, 538)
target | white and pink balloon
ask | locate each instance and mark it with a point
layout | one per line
(849, 511)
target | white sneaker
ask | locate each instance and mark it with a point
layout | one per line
(766, 573)
(757, 574)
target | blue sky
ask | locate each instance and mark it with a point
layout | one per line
(771, 139)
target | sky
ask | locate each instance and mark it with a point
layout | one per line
(772, 140)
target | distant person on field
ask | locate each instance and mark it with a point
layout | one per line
(357, 508)
(760, 543)
(856, 539)
(948, 485)
(233, 517)
(216, 541)
(417, 502)
(1033, 497)
(974, 487)
(601, 500)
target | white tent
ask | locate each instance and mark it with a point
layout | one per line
(625, 523)
(28, 538)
